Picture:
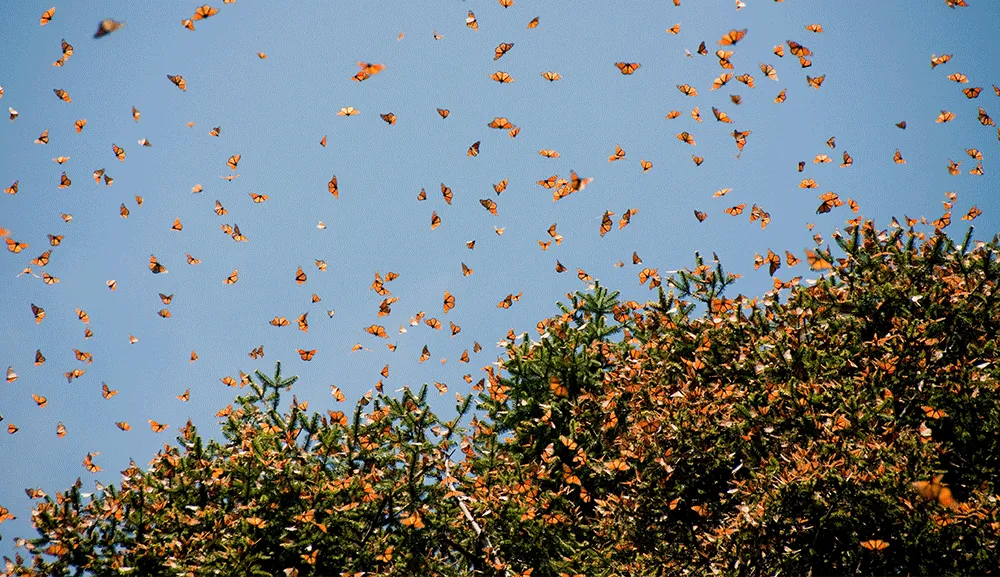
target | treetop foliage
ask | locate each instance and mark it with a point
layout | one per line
(851, 428)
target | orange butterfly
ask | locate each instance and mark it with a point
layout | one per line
(551, 76)
(687, 90)
(47, 16)
(389, 117)
(205, 11)
(816, 82)
(732, 37)
(232, 278)
(502, 49)
(627, 67)
(157, 427)
(471, 22)
(178, 81)
(306, 355)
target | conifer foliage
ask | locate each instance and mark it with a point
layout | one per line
(851, 427)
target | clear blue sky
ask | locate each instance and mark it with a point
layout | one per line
(875, 57)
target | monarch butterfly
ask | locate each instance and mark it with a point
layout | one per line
(474, 149)
(13, 113)
(701, 216)
(723, 56)
(502, 77)
(646, 165)
(389, 117)
(818, 260)
(722, 192)
(769, 71)
(978, 170)
(471, 22)
(606, 223)
(258, 198)
(60, 430)
(348, 111)
(42, 402)
(500, 123)
(721, 116)
(939, 60)
(489, 205)
(191, 260)
(178, 81)
(697, 160)
(332, 187)
(549, 153)
(533, 23)
(505, 4)
(675, 29)
(627, 68)
(958, 77)
(874, 545)
(61, 94)
(618, 155)
(934, 490)
(377, 330)
(500, 186)
(205, 11)
(187, 23)
(687, 90)
(300, 276)
(433, 323)
(816, 82)
(12, 189)
(732, 37)
(551, 76)
(848, 161)
(798, 49)
(446, 193)
(686, 138)
(821, 159)
(972, 214)
(898, 158)
(157, 427)
(647, 274)
(746, 79)
(971, 93)
(466, 271)
(735, 210)
(830, 201)
(721, 81)
(945, 116)
(741, 139)
(64, 181)
(306, 355)
(279, 322)
(627, 217)
(232, 278)
(444, 112)
(817, 28)
(502, 49)
(758, 213)
(984, 118)
(43, 138)
(47, 16)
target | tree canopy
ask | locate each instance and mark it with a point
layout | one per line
(850, 427)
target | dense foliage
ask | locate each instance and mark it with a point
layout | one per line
(853, 428)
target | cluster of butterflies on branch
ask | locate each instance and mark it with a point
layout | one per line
(560, 186)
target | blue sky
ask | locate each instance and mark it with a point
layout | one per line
(273, 112)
